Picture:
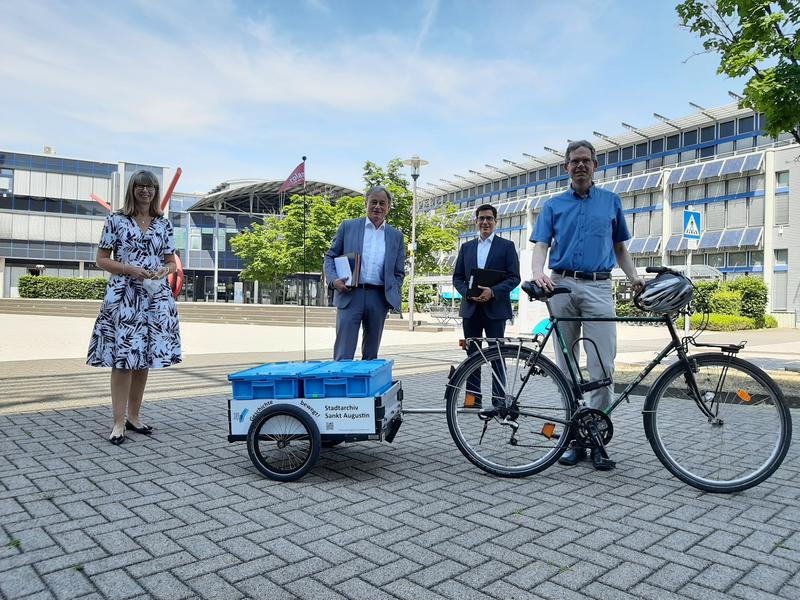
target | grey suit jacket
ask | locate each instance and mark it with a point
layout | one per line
(350, 238)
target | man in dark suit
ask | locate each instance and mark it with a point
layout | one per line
(382, 272)
(486, 315)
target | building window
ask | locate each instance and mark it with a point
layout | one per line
(696, 192)
(737, 259)
(737, 185)
(601, 159)
(715, 189)
(782, 257)
(708, 151)
(613, 157)
(746, 124)
(690, 137)
(757, 182)
(757, 258)
(627, 153)
(727, 129)
(782, 209)
(657, 146)
(716, 260)
(782, 179)
(679, 194)
(554, 171)
(673, 141)
(780, 287)
(678, 260)
(641, 149)
(707, 133)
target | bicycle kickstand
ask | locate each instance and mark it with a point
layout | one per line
(597, 442)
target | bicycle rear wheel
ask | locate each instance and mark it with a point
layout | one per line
(531, 432)
(744, 442)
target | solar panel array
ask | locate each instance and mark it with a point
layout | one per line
(715, 168)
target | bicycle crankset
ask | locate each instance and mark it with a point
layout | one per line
(585, 418)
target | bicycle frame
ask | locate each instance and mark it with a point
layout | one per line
(676, 344)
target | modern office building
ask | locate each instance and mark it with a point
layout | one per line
(717, 161)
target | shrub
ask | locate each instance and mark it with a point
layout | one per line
(37, 286)
(726, 302)
(424, 294)
(628, 309)
(719, 322)
(770, 322)
(702, 295)
(754, 296)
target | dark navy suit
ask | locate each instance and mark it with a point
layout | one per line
(486, 319)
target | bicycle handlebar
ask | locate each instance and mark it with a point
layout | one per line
(538, 293)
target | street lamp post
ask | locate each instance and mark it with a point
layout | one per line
(415, 162)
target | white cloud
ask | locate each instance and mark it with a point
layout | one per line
(182, 67)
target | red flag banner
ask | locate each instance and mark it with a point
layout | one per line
(298, 177)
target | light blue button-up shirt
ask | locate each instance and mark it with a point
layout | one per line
(581, 232)
(483, 250)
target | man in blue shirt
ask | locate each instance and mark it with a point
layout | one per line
(585, 232)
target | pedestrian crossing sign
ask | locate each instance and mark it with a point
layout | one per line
(692, 227)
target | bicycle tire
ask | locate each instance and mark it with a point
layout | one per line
(283, 442)
(743, 448)
(546, 394)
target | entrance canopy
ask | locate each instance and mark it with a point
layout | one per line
(261, 196)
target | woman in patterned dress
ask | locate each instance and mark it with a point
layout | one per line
(137, 328)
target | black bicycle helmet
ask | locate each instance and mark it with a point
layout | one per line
(667, 293)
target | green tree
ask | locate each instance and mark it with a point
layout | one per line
(757, 37)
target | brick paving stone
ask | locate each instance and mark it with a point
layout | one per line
(165, 586)
(766, 578)
(68, 584)
(244, 570)
(358, 589)
(434, 574)
(338, 573)
(213, 587)
(16, 583)
(116, 584)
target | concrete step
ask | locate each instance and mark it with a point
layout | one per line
(261, 314)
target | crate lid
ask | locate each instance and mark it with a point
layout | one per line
(275, 369)
(344, 368)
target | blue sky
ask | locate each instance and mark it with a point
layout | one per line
(230, 90)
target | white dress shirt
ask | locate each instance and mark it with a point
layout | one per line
(373, 253)
(483, 250)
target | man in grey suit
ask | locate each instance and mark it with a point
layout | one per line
(382, 272)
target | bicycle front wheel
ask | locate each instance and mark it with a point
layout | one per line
(531, 429)
(743, 440)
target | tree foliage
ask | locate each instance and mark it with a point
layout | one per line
(760, 38)
(275, 249)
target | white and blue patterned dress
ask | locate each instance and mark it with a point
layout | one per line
(136, 328)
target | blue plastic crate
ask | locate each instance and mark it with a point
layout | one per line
(350, 379)
(270, 380)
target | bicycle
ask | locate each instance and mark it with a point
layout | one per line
(715, 421)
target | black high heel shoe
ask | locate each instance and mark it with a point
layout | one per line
(145, 429)
(116, 439)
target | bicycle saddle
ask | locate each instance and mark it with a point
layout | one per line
(538, 293)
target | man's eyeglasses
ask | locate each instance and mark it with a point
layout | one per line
(381, 203)
(581, 161)
(486, 219)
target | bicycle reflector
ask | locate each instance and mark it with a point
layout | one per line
(548, 429)
(462, 344)
(744, 396)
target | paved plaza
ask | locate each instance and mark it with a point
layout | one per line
(185, 514)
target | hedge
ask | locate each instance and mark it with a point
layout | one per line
(726, 302)
(37, 286)
(718, 322)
